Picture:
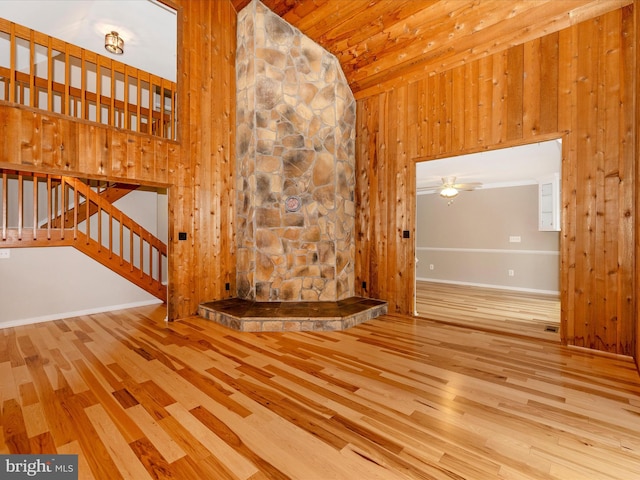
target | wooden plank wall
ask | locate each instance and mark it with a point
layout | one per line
(577, 84)
(636, 84)
(201, 203)
(38, 141)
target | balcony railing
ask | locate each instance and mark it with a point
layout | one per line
(43, 72)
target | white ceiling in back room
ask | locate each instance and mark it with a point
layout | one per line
(522, 165)
(148, 28)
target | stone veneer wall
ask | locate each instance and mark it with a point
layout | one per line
(295, 141)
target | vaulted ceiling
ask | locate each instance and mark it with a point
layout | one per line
(383, 42)
(379, 43)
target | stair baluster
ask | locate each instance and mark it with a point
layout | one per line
(71, 204)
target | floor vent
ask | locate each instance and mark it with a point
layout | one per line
(551, 328)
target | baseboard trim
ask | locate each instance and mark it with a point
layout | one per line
(489, 250)
(486, 285)
(77, 313)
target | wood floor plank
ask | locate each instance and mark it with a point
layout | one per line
(208, 467)
(84, 470)
(192, 447)
(130, 429)
(507, 311)
(118, 447)
(394, 398)
(8, 386)
(13, 426)
(236, 463)
(59, 426)
(35, 420)
(96, 453)
(161, 440)
(234, 440)
(42, 443)
(153, 461)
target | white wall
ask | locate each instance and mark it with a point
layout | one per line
(468, 242)
(40, 284)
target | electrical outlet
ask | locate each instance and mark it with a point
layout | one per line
(364, 285)
(511, 273)
(515, 239)
(227, 286)
(431, 266)
(5, 253)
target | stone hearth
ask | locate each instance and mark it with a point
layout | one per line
(248, 316)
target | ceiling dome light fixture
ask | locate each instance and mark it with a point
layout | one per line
(114, 43)
(448, 192)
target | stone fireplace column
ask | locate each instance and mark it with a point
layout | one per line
(295, 165)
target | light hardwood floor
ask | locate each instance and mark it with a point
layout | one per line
(392, 398)
(506, 311)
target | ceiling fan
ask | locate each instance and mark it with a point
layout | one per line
(449, 188)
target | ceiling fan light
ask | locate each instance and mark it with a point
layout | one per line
(114, 43)
(448, 192)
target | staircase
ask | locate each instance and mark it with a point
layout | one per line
(39, 210)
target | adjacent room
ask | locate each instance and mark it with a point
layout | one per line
(488, 239)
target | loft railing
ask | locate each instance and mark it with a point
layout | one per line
(39, 210)
(43, 72)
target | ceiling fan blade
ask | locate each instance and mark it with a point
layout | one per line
(448, 182)
(429, 187)
(467, 186)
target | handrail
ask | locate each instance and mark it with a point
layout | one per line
(69, 211)
(46, 73)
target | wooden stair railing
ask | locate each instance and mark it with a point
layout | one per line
(49, 210)
(111, 192)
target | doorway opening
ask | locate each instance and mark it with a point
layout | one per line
(488, 240)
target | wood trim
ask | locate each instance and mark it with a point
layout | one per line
(5, 204)
(507, 144)
(38, 238)
(635, 86)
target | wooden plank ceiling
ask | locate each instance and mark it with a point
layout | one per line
(382, 42)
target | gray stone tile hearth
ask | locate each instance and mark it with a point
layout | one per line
(249, 316)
